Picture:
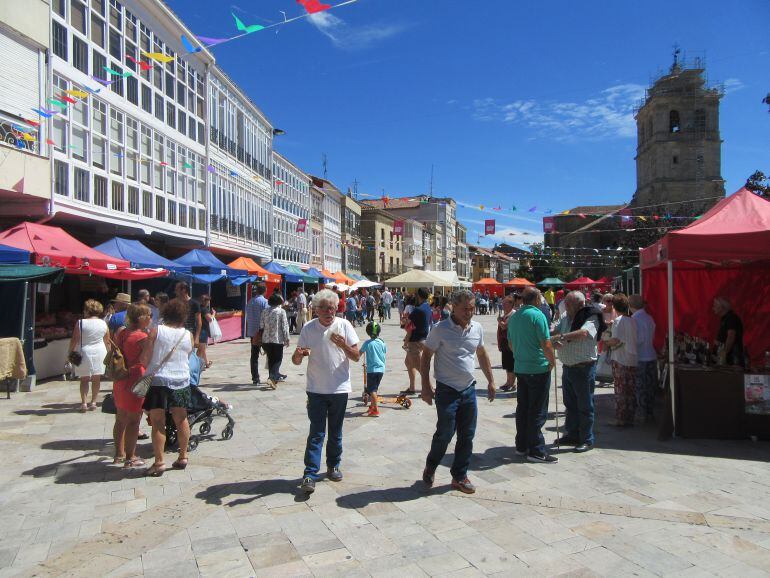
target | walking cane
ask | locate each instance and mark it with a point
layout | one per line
(556, 401)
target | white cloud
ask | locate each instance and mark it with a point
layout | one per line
(608, 115)
(348, 37)
(733, 85)
(510, 235)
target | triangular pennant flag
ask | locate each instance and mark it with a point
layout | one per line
(314, 6)
(76, 93)
(189, 47)
(247, 29)
(159, 56)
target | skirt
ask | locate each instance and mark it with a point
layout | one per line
(161, 397)
(507, 359)
(125, 398)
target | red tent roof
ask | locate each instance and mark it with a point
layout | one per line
(56, 247)
(580, 282)
(737, 228)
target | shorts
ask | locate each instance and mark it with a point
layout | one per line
(373, 382)
(204, 337)
(413, 352)
(507, 359)
(161, 397)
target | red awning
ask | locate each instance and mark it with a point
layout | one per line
(736, 229)
(580, 282)
(55, 247)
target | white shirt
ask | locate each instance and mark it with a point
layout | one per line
(624, 329)
(301, 301)
(579, 350)
(454, 349)
(177, 368)
(328, 368)
(387, 298)
(645, 330)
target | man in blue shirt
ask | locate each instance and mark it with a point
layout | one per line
(351, 309)
(420, 319)
(455, 342)
(118, 319)
(254, 309)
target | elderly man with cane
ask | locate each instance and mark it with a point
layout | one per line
(530, 340)
(576, 342)
(454, 342)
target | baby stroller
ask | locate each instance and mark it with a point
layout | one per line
(200, 413)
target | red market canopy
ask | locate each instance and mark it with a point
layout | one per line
(581, 282)
(736, 229)
(52, 246)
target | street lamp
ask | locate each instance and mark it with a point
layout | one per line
(278, 132)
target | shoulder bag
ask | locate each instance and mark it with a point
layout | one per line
(115, 362)
(143, 385)
(76, 357)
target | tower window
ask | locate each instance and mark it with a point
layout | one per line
(674, 124)
(675, 160)
(700, 119)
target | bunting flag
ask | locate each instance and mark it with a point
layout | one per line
(209, 42)
(233, 173)
(116, 73)
(398, 228)
(489, 227)
(102, 81)
(158, 56)
(68, 99)
(247, 29)
(60, 104)
(76, 93)
(211, 169)
(186, 166)
(189, 46)
(533, 209)
(314, 6)
(45, 113)
(513, 209)
(301, 226)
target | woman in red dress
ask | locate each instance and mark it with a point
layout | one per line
(131, 340)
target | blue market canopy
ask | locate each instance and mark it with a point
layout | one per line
(140, 256)
(206, 268)
(12, 255)
(288, 276)
(320, 276)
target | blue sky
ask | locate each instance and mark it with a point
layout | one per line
(513, 102)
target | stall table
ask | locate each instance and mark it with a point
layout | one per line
(50, 358)
(230, 324)
(710, 403)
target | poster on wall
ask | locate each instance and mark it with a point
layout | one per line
(756, 389)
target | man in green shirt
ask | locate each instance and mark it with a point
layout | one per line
(530, 341)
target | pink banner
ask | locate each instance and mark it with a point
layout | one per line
(548, 224)
(398, 228)
(489, 227)
(301, 225)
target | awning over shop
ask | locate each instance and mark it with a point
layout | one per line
(580, 282)
(139, 256)
(416, 278)
(12, 273)
(316, 273)
(288, 276)
(206, 268)
(255, 268)
(52, 246)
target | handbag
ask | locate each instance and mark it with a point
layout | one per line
(215, 331)
(76, 357)
(604, 367)
(115, 362)
(141, 387)
(108, 405)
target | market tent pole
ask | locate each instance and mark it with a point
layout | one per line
(670, 283)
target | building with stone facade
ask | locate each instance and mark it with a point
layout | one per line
(316, 225)
(381, 258)
(462, 266)
(351, 234)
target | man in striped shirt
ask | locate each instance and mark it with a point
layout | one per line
(575, 340)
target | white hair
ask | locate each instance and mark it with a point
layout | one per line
(577, 296)
(326, 296)
(461, 296)
(723, 302)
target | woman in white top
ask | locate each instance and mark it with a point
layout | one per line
(275, 336)
(624, 361)
(90, 339)
(166, 357)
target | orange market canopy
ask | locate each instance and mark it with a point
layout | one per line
(253, 268)
(519, 283)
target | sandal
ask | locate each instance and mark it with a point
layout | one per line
(209, 364)
(92, 406)
(143, 436)
(133, 463)
(118, 460)
(180, 464)
(155, 470)
(83, 407)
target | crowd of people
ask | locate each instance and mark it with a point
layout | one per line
(157, 338)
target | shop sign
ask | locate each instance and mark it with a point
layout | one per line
(756, 389)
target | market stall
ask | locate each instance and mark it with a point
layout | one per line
(57, 312)
(322, 279)
(414, 279)
(551, 282)
(517, 284)
(725, 253)
(584, 284)
(492, 286)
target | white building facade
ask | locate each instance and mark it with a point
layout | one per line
(130, 156)
(413, 245)
(332, 231)
(240, 171)
(291, 204)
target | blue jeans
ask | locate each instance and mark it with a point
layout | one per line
(532, 411)
(387, 309)
(456, 412)
(320, 408)
(577, 384)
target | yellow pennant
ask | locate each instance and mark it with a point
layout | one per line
(27, 136)
(159, 56)
(76, 93)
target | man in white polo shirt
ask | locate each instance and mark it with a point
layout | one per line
(329, 343)
(454, 342)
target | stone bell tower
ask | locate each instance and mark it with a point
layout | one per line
(678, 155)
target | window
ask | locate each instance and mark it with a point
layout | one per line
(700, 119)
(674, 124)
(116, 159)
(59, 134)
(97, 30)
(159, 107)
(79, 143)
(130, 26)
(172, 212)
(160, 208)
(115, 16)
(79, 55)
(147, 204)
(99, 62)
(157, 77)
(116, 126)
(81, 182)
(115, 45)
(182, 216)
(133, 200)
(191, 217)
(202, 219)
(201, 134)
(117, 81)
(98, 6)
(182, 121)
(117, 196)
(180, 93)
(99, 152)
(146, 98)
(169, 86)
(59, 40)
(100, 191)
(132, 90)
(58, 7)
(191, 127)
(675, 160)
(78, 16)
(60, 183)
(170, 115)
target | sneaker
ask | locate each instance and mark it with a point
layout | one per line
(428, 476)
(542, 459)
(308, 485)
(567, 441)
(465, 486)
(282, 377)
(583, 448)
(334, 474)
(520, 452)
(256, 381)
(272, 383)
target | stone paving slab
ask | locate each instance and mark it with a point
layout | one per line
(632, 506)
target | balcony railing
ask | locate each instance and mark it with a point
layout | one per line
(12, 133)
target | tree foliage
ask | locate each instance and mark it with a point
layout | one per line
(759, 183)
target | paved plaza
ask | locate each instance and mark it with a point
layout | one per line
(632, 506)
